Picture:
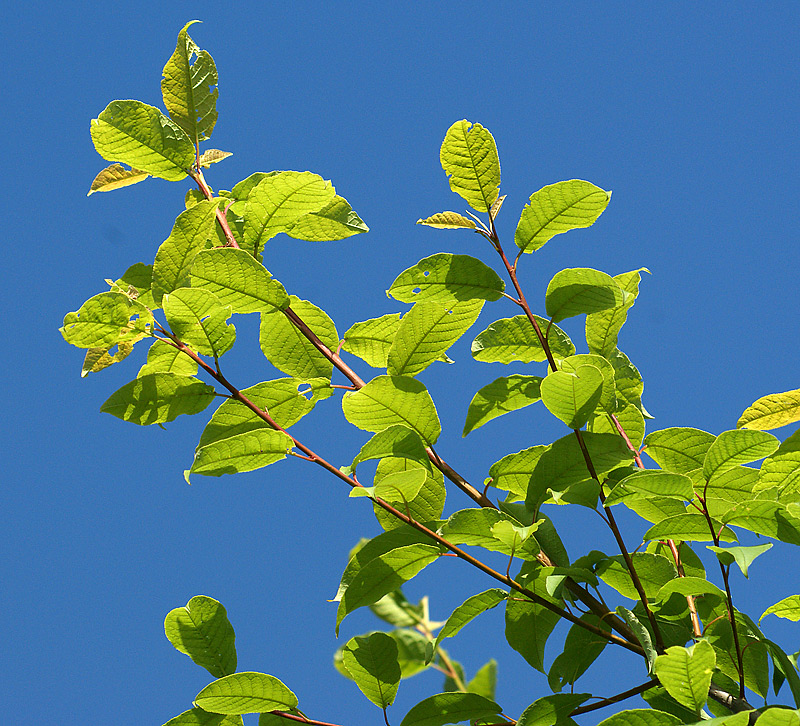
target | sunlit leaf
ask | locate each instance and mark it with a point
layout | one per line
(579, 290)
(678, 449)
(686, 673)
(165, 358)
(469, 157)
(573, 397)
(246, 451)
(689, 586)
(737, 447)
(514, 339)
(772, 411)
(742, 556)
(448, 220)
(213, 156)
(199, 320)
(450, 708)
(426, 506)
(782, 470)
(372, 339)
(788, 608)
(552, 710)
(335, 221)
(654, 572)
(199, 717)
(501, 396)
(765, 517)
(106, 320)
(246, 692)
(484, 683)
(513, 472)
(97, 359)
(372, 662)
(641, 717)
(651, 483)
(602, 328)
(116, 176)
(688, 527)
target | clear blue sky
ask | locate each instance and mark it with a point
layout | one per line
(687, 111)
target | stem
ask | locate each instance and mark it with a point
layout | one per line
(615, 699)
(301, 719)
(221, 217)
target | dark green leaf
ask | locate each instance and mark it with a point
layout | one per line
(581, 649)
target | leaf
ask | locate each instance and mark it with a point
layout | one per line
(189, 87)
(686, 673)
(202, 631)
(514, 339)
(448, 220)
(465, 613)
(501, 396)
(779, 716)
(788, 608)
(572, 397)
(772, 411)
(688, 527)
(733, 448)
(247, 451)
(396, 610)
(141, 136)
(552, 710)
(689, 586)
(395, 441)
(782, 470)
(782, 663)
(450, 708)
(372, 339)
(513, 472)
(487, 528)
(389, 400)
(106, 320)
(426, 506)
(335, 221)
(426, 332)
(608, 397)
(383, 574)
(579, 290)
(190, 234)
(447, 278)
(213, 156)
(410, 651)
(288, 349)
(642, 635)
(602, 328)
(469, 158)
(116, 176)
(742, 556)
(158, 398)
(400, 486)
(654, 572)
(198, 318)
(641, 717)
(628, 381)
(372, 661)
(581, 649)
(165, 358)
(278, 201)
(765, 517)
(246, 692)
(199, 717)
(651, 483)
(678, 449)
(238, 280)
(558, 208)
(97, 359)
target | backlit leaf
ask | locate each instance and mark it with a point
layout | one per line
(97, 359)
(742, 556)
(608, 397)
(579, 290)
(466, 612)
(372, 662)
(573, 397)
(651, 483)
(688, 527)
(469, 157)
(484, 683)
(371, 339)
(199, 320)
(450, 708)
(772, 411)
(782, 470)
(654, 572)
(514, 339)
(641, 717)
(106, 320)
(501, 396)
(335, 221)
(737, 447)
(769, 518)
(241, 452)
(426, 506)
(678, 449)
(686, 673)
(513, 472)
(116, 176)
(448, 220)
(689, 586)
(398, 487)
(552, 710)
(581, 649)
(602, 328)
(199, 717)
(395, 441)
(213, 156)
(165, 358)
(246, 692)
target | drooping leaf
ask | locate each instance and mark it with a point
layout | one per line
(165, 358)
(742, 556)
(372, 339)
(199, 717)
(158, 398)
(466, 612)
(189, 87)
(654, 572)
(241, 452)
(246, 692)
(514, 339)
(772, 411)
(737, 447)
(450, 708)
(686, 673)
(782, 469)
(469, 158)
(426, 332)
(448, 220)
(782, 663)
(396, 610)
(573, 397)
(395, 441)
(602, 328)
(335, 221)
(116, 176)
(372, 662)
(97, 359)
(202, 631)
(579, 290)
(788, 608)
(642, 635)
(141, 136)
(491, 529)
(628, 381)
(213, 156)
(389, 400)
(678, 449)
(238, 280)
(558, 208)
(447, 278)
(513, 472)
(288, 349)
(608, 397)
(581, 649)
(689, 586)
(106, 320)
(501, 396)
(199, 320)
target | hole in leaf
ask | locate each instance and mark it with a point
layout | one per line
(416, 291)
(425, 273)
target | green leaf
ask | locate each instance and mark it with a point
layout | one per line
(642, 634)
(202, 631)
(651, 483)
(278, 201)
(579, 290)
(106, 320)
(782, 663)
(772, 411)
(514, 339)
(389, 400)
(581, 649)
(688, 527)
(241, 452)
(335, 221)
(189, 87)
(396, 610)
(573, 397)
(513, 472)
(686, 673)
(97, 359)
(501, 396)
(552, 710)
(141, 136)
(608, 398)
(466, 612)
(427, 331)
(484, 682)
(400, 486)
(165, 358)
(641, 717)
(116, 176)
(395, 441)
(372, 661)
(654, 572)
(136, 282)
(246, 692)
(191, 232)
(372, 339)
(488, 528)
(469, 158)
(733, 448)
(628, 381)
(199, 717)
(788, 608)
(213, 156)
(558, 208)
(779, 716)
(238, 280)
(158, 398)
(383, 574)
(447, 278)
(602, 328)
(678, 449)
(689, 586)
(426, 506)
(448, 220)
(450, 708)
(199, 320)
(782, 470)
(765, 517)
(742, 556)
(288, 349)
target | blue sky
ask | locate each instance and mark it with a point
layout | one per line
(687, 111)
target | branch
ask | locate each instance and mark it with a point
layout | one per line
(616, 699)
(301, 719)
(222, 219)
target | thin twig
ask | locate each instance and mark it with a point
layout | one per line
(615, 699)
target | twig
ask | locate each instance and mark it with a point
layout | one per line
(615, 699)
